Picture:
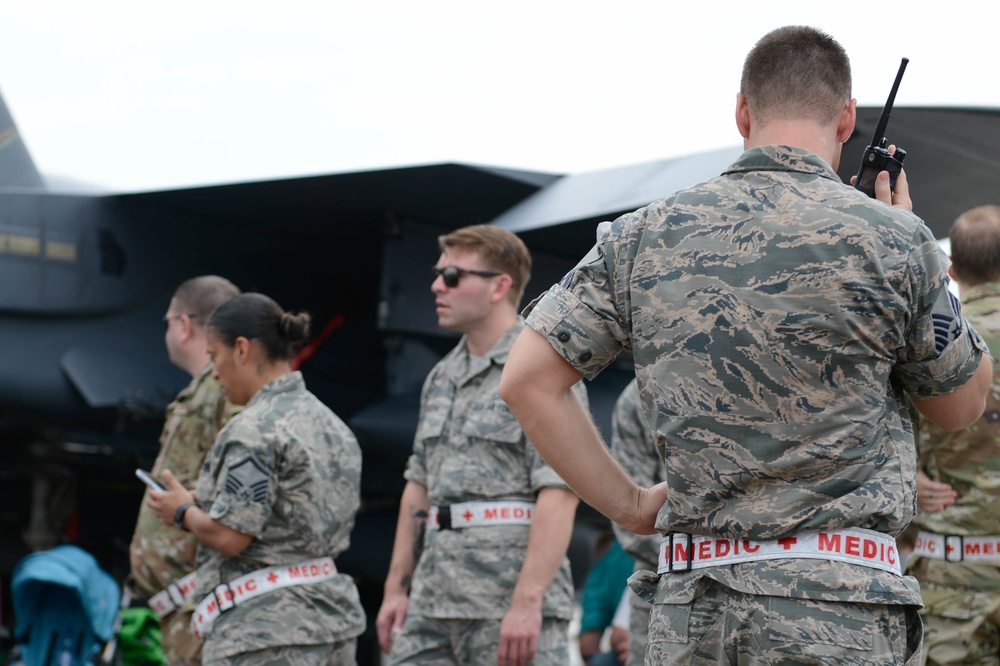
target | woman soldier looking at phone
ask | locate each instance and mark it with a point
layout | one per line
(274, 504)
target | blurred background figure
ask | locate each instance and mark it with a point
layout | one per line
(633, 446)
(479, 572)
(956, 557)
(162, 557)
(602, 596)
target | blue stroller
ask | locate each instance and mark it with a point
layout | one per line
(64, 607)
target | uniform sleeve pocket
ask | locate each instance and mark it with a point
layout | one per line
(220, 507)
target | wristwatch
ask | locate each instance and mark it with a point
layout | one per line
(179, 515)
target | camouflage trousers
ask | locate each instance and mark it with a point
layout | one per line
(638, 627)
(180, 646)
(961, 625)
(343, 653)
(723, 626)
(432, 642)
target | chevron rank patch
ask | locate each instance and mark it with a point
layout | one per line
(946, 328)
(247, 480)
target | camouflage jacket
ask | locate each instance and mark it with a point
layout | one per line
(633, 445)
(287, 472)
(469, 446)
(160, 554)
(776, 316)
(969, 460)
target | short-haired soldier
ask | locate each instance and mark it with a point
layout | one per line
(479, 572)
(777, 318)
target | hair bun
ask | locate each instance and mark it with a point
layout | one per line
(294, 327)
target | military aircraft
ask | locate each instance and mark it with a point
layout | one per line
(85, 278)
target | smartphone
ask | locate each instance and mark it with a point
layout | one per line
(149, 480)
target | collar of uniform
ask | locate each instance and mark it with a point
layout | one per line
(985, 290)
(289, 382)
(783, 158)
(501, 348)
(203, 375)
(476, 364)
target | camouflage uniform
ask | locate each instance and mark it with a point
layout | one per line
(287, 471)
(160, 554)
(776, 317)
(633, 446)
(469, 446)
(962, 600)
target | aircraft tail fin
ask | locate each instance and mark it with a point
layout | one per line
(16, 165)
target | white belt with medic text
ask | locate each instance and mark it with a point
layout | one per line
(683, 552)
(172, 596)
(259, 582)
(954, 548)
(481, 513)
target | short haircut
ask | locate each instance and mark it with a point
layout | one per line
(499, 249)
(199, 296)
(975, 245)
(259, 318)
(794, 73)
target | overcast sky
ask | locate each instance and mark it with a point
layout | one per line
(132, 95)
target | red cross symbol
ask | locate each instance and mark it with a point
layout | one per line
(949, 548)
(273, 577)
(467, 515)
(788, 542)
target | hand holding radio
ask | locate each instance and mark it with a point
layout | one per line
(877, 157)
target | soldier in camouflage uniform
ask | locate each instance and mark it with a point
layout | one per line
(161, 555)
(961, 611)
(633, 446)
(276, 502)
(483, 589)
(776, 317)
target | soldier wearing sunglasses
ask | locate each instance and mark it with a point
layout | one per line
(479, 572)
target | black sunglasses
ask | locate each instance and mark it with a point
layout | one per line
(452, 274)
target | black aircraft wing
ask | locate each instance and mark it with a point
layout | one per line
(84, 278)
(953, 159)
